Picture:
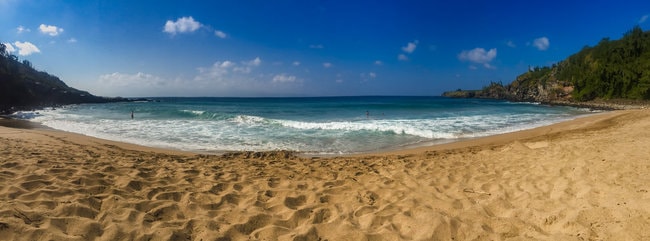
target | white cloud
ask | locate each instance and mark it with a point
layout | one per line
(221, 78)
(72, 40)
(10, 48)
(225, 64)
(402, 57)
(138, 84)
(229, 78)
(21, 29)
(410, 47)
(50, 30)
(296, 63)
(217, 70)
(511, 44)
(255, 62)
(316, 46)
(478, 55)
(220, 34)
(327, 64)
(117, 79)
(368, 76)
(246, 66)
(26, 48)
(378, 62)
(284, 78)
(181, 25)
(644, 18)
(541, 43)
(223, 68)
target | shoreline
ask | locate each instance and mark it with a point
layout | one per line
(603, 105)
(580, 179)
(7, 121)
(492, 140)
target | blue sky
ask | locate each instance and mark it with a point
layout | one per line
(303, 48)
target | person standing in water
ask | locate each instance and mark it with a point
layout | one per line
(131, 114)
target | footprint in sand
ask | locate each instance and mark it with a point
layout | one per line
(322, 216)
(253, 223)
(295, 202)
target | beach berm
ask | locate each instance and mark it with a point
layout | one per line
(584, 179)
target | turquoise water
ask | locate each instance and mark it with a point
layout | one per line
(329, 125)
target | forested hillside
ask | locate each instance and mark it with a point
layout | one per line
(613, 69)
(22, 87)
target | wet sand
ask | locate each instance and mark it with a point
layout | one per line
(585, 179)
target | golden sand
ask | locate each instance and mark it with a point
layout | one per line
(587, 179)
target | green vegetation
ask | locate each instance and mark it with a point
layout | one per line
(613, 69)
(22, 87)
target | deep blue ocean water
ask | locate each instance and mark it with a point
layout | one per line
(327, 125)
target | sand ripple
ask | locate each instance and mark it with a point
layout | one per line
(584, 181)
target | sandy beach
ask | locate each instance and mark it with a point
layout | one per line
(585, 179)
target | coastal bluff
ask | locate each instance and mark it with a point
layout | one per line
(611, 75)
(24, 88)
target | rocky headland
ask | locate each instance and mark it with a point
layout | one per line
(611, 75)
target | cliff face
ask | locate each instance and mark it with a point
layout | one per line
(539, 85)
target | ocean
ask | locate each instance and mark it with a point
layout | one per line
(326, 125)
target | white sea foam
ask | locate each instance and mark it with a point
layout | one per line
(215, 130)
(195, 112)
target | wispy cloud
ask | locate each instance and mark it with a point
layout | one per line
(255, 62)
(223, 68)
(246, 66)
(26, 48)
(222, 78)
(181, 25)
(327, 64)
(220, 34)
(410, 47)
(378, 62)
(230, 78)
(284, 78)
(72, 40)
(137, 84)
(50, 30)
(316, 46)
(644, 18)
(542, 43)
(479, 56)
(368, 76)
(402, 57)
(511, 44)
(123, 79)
(296, 63)
(21, 29)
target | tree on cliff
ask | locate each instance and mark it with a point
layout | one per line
(613, 69)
